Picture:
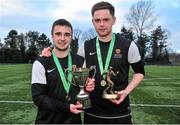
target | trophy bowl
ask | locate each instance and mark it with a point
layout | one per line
(80, 76)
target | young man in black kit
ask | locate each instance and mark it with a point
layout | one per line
(52, 93)
(110, 50)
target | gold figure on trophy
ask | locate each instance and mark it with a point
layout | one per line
(108, 93)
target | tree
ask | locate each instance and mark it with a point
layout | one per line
(32, 52)
(11, 40)
(42, 42)
(159, 43)
(74, 43)
(127, 33)
(141, 17)
(10, 53)
(144, 42)
(1, 45)
(22, 46)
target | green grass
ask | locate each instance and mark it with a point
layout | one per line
(15, 85)
(15, 82)
(156, 115)
(161, 86)
(17, 113)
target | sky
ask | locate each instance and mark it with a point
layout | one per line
(38, 15)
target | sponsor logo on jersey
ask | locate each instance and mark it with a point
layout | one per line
(118, 53)
(92, 53)
(50, 70)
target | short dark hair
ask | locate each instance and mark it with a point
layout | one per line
(103, 5)
(61, 22)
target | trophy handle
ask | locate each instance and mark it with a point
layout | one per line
(91, 69)
(72, 83)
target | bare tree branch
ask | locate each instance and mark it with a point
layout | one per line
(141, 16)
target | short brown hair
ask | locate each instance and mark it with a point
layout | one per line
(103, 5)
(61, 22)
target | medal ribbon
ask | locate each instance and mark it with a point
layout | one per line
(66, 84)
(108, 57)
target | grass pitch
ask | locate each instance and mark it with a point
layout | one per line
(161, 86)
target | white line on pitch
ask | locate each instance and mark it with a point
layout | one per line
(160, 78)
(142, 105)
(16, 102)
(155, 105)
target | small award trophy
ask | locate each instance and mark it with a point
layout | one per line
(108, 92)
(80, 76)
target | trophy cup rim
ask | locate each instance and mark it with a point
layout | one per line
(81, 70)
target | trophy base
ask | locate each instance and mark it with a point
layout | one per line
(85, 101)
(110, 96)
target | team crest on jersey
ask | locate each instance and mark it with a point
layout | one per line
(118, 53)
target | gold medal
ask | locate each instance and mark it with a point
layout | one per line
(103, 83)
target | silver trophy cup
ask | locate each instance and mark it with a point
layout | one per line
(80, 76)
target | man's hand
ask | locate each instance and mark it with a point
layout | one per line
(137, 78)
(90, 84)
(46, 52)
(76, 108)
(121, 96)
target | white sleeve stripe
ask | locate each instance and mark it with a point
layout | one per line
(84, 64)
(38, 73)
(133, 53)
